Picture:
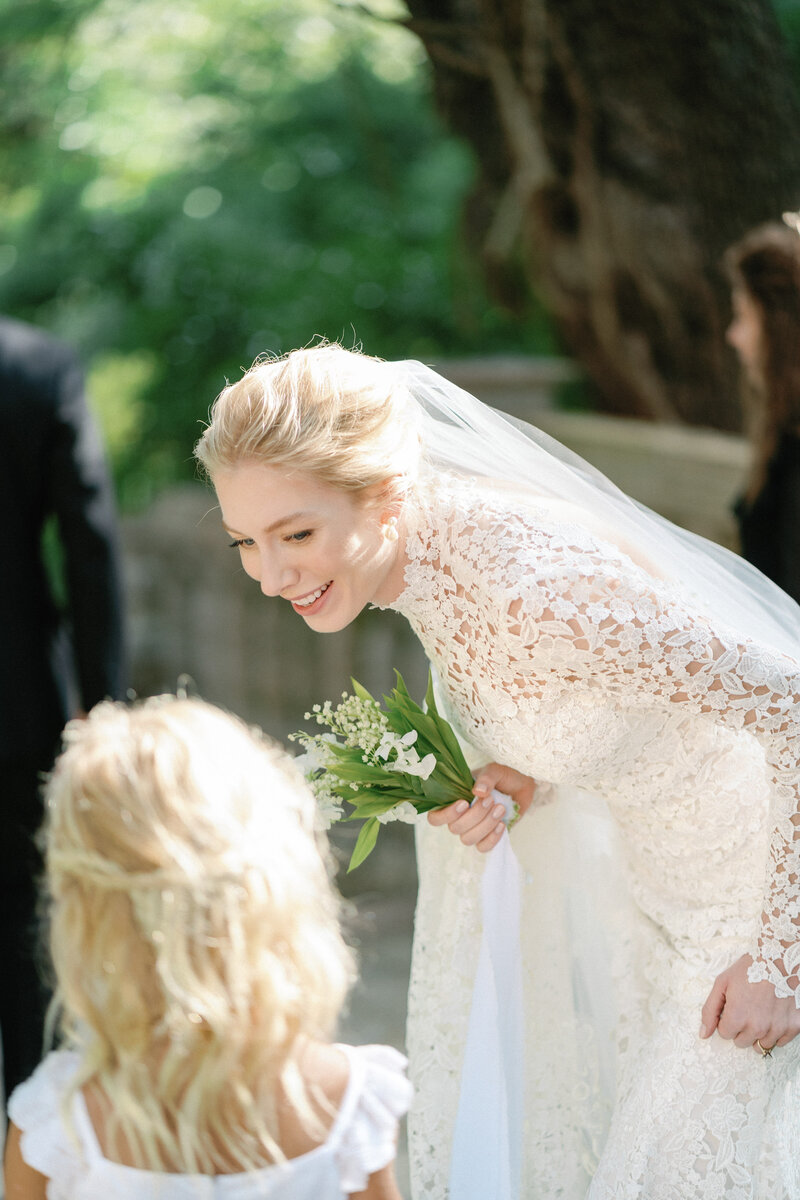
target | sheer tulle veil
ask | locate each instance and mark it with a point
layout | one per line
(459, 433)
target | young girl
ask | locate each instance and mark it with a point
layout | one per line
(200, 970)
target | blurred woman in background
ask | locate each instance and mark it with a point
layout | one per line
(764, 268)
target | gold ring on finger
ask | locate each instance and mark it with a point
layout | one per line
(765, 1053)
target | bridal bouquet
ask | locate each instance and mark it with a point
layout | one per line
(381, 764)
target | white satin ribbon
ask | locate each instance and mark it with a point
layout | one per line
(486, 1161)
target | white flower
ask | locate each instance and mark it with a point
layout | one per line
(328, 812)
(390, 741)
(315, 758)
(358, 722)
(407, 761)
(421, 767)
(315, 765)
(404, 811)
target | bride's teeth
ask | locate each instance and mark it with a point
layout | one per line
(314, 596)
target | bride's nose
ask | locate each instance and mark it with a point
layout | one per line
(275, 576)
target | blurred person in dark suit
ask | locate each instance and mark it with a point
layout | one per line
(53, 664)
(764, 267)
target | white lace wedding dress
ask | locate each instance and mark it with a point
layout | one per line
(674, 757)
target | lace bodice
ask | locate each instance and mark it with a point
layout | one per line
(561, 655)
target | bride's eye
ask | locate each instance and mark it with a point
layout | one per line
(303, 536)
(238, 543)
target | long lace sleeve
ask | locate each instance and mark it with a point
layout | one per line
(607, 622)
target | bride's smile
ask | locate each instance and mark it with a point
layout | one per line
(327, 551)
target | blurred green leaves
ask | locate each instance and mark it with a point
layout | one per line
(189, 185)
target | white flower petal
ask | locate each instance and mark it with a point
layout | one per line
(426, 767)
(404, 812)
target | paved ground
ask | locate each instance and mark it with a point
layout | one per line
(382, 932)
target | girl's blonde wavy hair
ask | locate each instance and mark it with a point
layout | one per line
(336, 414)
(194, 929)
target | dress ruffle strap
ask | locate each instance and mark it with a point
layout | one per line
(34, 1108)
(381, 1095)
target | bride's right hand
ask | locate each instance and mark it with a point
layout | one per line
(480, 824)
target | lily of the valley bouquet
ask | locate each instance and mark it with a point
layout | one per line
(381, 764)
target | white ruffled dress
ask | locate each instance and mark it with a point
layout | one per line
(362, 1140)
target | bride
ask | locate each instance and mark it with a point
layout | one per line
(648, 682)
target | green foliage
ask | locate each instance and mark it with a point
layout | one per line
(192, 184)
(788, 14)
(379, 760)
(365, 843)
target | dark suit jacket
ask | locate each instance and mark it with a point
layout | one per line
(769, 527)
(52, 462)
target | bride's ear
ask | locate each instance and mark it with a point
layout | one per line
(388, 497)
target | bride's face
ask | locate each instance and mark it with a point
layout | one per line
(323, 550)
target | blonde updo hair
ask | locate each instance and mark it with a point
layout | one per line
(194, 929)
(335, 414)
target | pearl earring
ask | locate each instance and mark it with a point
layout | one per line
(390, 529)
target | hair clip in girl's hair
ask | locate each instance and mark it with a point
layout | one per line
(186, 687)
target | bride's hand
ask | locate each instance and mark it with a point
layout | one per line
(480, 824)
(746, 1013)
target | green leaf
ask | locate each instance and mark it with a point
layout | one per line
(365, 843)
(400, 711)
(345, 753)
(401, 699)
(446, 732)
(430, 698)
(376, 805)
(428, 732)
(351, 795)
(361, 691)
(400, 722)
(361, 772)
(392, 795)
(400, 686)
(454, 751)
(444, 791)
(426, 806)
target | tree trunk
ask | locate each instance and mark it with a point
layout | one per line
(622, 146)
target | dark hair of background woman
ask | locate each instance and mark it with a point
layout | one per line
(765, 263)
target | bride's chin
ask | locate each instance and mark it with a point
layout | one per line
(322, 624)
(329, 622)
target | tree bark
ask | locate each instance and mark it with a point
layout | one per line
(622, 146)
